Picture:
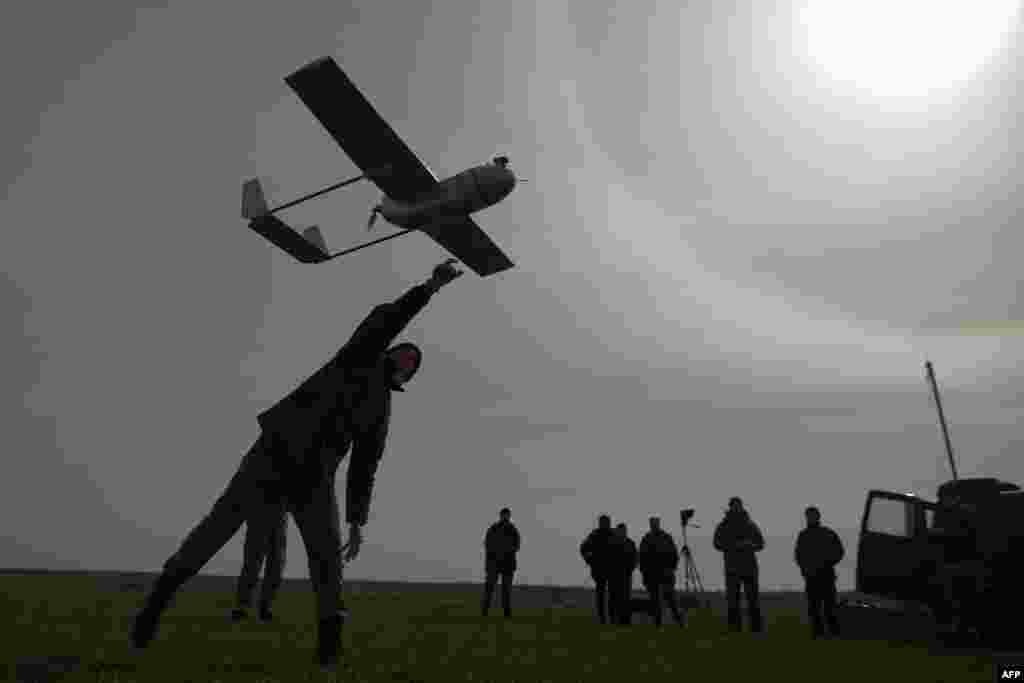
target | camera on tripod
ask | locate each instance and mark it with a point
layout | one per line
(693, 587)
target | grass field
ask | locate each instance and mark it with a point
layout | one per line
(436, 634)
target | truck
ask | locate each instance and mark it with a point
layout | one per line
(960, 555)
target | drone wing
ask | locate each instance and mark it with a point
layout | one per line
(471, 245)
(385, 159)
(360, 131)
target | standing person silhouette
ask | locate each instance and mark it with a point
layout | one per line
(738, 538)
(658, 559)
(620, 588)
(501, 544)
(818, 551)
(596, 552)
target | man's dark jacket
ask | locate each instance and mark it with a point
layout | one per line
(501, 543)
(738, 538)
(596, 551)
(624, 556)
(657, 556)
(818, 551)
(347, 402)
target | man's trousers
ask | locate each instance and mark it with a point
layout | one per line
(265, 547)
(620, 588)
(820, 590)
(662, 589)
(266, 480)
(491, 575)
(601, 581)
(749, 583)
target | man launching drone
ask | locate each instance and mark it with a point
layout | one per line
(345, 404)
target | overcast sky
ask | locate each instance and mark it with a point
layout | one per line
(735, 253)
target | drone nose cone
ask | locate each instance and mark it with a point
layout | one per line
(493, 183)
(506, 181)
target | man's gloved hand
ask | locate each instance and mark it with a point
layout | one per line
(443, 274)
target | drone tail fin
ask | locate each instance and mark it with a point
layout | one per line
(313, 236)
(254, 204)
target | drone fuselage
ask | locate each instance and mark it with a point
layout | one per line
(460, 195)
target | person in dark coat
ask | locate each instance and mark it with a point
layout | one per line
(345, 405)
(738, 538)
(595, 550)
(265, 547)
(620, 587)
(818, 551)
(501, 543)
(658, 559)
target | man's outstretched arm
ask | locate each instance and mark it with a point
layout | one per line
(385, 322)
(316, 397)
(368, 448)
(370, 339)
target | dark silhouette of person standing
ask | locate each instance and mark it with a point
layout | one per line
(818, 550)
(620, 587)
(345, 405)
(596, 552)
(501, 543)
(658, 559)
(738, 538)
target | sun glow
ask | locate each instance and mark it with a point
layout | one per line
(908, 49)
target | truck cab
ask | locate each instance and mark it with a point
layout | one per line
(956, 555)
(896, 552)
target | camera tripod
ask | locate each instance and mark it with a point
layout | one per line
(692, 583)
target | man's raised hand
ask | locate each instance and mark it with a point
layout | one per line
(445, 273)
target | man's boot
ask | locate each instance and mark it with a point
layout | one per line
(756, 621)
(506, 601)
(266, 614)
(734, 619)
(148, 618)
(328, 645)
(485, 601)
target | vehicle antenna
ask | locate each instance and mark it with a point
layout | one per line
(942, 416)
